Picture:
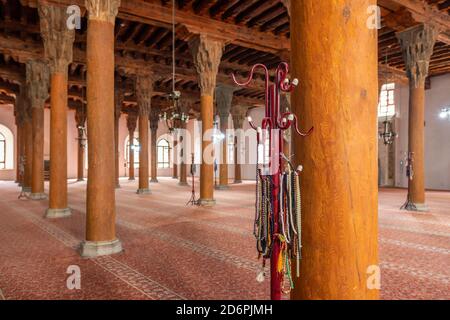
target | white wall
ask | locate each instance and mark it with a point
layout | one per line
(437, 134)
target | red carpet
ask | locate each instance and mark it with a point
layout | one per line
(178, 252)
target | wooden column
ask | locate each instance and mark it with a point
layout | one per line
(18, 144)
(154, 120)
(185, 107)
(238, 113)
(27, 139)
(175, 156)
(144, 89)
(118, 100)
(224, 96)
(338, 95)
(417, 44)
(58, 42)
(131, 125)
(100, 206)
(207, 54)
(37, 74)
(80, 120)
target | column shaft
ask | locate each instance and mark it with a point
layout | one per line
(116, 150)
(131, 155)
(339, 182)
(206, 167)
(237, 165)
(100, 207)
(154, 153)
(80, 156)
(28, 154)
(175, 160)
(37, 181)
(223, 167)
(143, 154)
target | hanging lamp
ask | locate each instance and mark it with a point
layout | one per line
(175, 117)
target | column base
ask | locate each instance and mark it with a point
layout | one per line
(206, 202)
(222, 187)
(131, 179)
(57, 213)
(118, 186)
(237, 181)
(183, 184)
(80, 180)
(26, 189)
(174, 177)
(416, 207)
(143, 191)
(92, 249)
(38, 196)
(154, 181)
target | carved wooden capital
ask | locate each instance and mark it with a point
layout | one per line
(58, 39)
(224, 97)
(238, 113)
(144, 91)
(103, 10)
(80, 115)
(154, 119)
(37, 75)
(207, 53)
(131, 121)
(417, 45)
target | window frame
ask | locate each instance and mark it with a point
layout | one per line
(164, 149)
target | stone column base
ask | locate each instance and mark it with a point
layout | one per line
(222, 187)
(80, 180)
(183, 184)
(92, 249)
(206, 202)
(174, 177)
(38, 196)
(416, 207)
(237, 181)
(143, 191)
(131, 179)
(154, 181)
(57, 213)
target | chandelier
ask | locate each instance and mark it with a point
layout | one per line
(388, 135)
(175, 118)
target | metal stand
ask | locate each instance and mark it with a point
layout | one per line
(409, 205)
(275, 122)
(193, 200)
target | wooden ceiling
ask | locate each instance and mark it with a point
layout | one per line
(256, 31)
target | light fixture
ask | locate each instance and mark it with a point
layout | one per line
(176, 117)
(445, 113)
(388, 135)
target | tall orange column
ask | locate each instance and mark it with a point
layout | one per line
(18, 110)
(80, 119)
(131, 125)
(338, 96)
(144, 89)
(238, 113)
(207, 53)
(18, 144)
(100, 205)
(154, 120)
(118, 100)
(58, 42)
(417, 44)
(224, 97)
(37, 74)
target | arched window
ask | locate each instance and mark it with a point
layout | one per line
(163, 154)
(2, 151)
(6, 148)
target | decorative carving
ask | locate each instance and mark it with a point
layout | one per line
(224, 96)
(58, 39)
(417, 45)
(38, 80)
(154, 119)
(144, 91)
(238, 113)
(131, 121)
(103, 10)
(207, 54)
(80, 116)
